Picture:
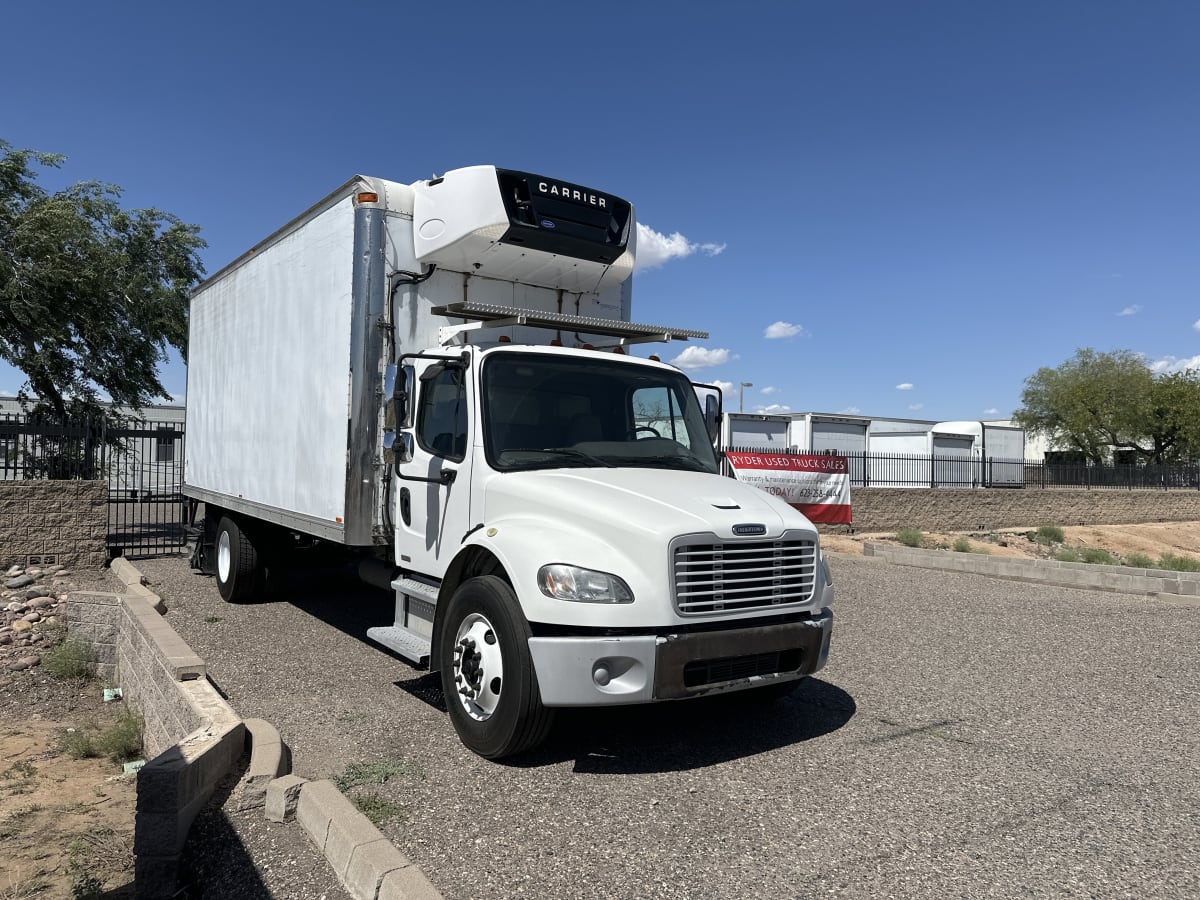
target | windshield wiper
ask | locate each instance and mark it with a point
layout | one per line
(568, 452)
(686, 463)
(578, 454)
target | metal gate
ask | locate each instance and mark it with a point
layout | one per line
(147, 512)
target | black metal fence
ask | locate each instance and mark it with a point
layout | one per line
(141, 461)
(32, 449)
(961, 471)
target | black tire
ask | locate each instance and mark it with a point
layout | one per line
(239, 574)
(506, 715)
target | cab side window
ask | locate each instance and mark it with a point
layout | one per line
(442, 417)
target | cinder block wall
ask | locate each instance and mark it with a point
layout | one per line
(192, 737)
(127, 635)
(66, 520)
(887, 509)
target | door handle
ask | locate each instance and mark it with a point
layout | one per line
(446, 476)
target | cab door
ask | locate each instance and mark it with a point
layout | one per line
(432, 508)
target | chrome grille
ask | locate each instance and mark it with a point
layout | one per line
(741, 576)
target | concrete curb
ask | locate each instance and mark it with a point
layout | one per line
(269, 759)
(134, 582)
(1182, 588)
(367, 863)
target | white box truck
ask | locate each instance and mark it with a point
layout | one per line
(435, 378)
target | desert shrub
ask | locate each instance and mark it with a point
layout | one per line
(1179, 563)
(123, 740)
(120, 742)
(72, 660)
(1049, 534)
(1139, 561)
(378, 809)
(78, 744)
(910, 537)
(962, 545)
(380, 772)
(86, 886)
(1098, 557)
(1067, 554)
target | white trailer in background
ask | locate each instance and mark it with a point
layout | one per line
(434, 379)
(960, 454)
(1000, 450)
(826, 432)
(754, 431)
(920, 458)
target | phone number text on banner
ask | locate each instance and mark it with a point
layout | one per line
(818, 486)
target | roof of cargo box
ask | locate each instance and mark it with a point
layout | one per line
(396, 197)
(499, 223)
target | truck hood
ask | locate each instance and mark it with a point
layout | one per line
(653, 503)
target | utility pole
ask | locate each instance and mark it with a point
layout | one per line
(742, 394)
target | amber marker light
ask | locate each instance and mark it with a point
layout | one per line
(367, 197)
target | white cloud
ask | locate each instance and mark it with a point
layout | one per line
(655, 248)
(1131, 310)
(1169, 365)
(1196, 324)
(702, 358)
(850, 411)
(782, 330)
(773, 409)
(991, 411)
(906, 386)
(725, 386)
(770, 389)
(915, 406)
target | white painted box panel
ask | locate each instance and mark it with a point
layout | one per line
(269, 369)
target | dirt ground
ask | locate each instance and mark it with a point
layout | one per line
(1152, 540)
(66, 825)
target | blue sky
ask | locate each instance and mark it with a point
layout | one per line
(895, 208)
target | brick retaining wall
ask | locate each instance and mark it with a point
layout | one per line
(192, 736)
(66, 520)
(887, 509)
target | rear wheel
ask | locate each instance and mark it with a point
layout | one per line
(238, 571)
(487, 673)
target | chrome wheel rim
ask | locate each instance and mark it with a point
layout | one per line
(478, 667)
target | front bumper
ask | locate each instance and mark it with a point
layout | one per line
(607, 671)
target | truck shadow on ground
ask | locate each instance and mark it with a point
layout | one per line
(659, 737)
(691, 734)
(677, 736)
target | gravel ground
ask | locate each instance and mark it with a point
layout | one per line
(969, 737)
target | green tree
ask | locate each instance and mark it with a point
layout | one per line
(91, 295)
(1100, 402)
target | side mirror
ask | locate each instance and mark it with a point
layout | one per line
(397, 387)
(712, 417)
(402, 447)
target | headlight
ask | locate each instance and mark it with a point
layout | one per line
(563, 582)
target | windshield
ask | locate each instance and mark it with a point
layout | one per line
(544, 411)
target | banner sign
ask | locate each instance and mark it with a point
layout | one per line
(817, 485)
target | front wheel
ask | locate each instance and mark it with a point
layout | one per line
(487, 674)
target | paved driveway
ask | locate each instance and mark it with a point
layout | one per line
(969, 738)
